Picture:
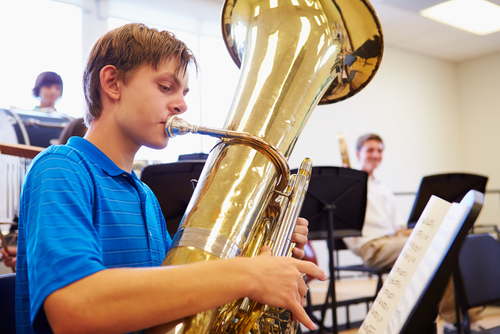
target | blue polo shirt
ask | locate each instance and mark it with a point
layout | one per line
(79, 214)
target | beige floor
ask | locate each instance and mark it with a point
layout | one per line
(348, 289)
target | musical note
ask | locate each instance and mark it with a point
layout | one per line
(429, 222)
(383, 304)
(401, 272)
(414, 247)
(376, 315)
(389, 294)
(408, 257)
(369, 329)
(421, 235)
(395, 282)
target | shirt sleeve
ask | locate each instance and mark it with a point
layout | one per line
(395, 216)
(62, 244)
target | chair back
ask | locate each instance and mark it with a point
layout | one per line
(171, 184)
(479, 270)
(7, 304)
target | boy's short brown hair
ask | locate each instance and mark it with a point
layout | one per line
(127, 48)
(364, 138)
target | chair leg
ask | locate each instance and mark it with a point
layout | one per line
(348, 319)
(465, 323)
(380, 283)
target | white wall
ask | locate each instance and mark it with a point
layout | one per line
(411, 103)
(434, 116)
(479, 98)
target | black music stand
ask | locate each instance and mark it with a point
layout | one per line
(422, 317)
(451, 187)
(335, 207)
(171, 183)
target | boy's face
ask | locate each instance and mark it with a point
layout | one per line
(370, 155)
(49, 94)
(147, 99)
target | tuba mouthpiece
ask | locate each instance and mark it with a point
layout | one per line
(176, 126)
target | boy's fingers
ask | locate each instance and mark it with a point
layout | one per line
(302, 221)
(265, 250)
(310, 269)
(299, 314)
(299, 253)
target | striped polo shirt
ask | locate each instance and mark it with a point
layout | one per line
(79, 214)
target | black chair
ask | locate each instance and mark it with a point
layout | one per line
(172, 184)
(477, 277)
(451, 187)
(335, 206)
(7, 306)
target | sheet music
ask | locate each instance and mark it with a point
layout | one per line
(432, 236)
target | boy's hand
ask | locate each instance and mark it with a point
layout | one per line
(278, 281)
(9, 258)
(404, 232)
(300, 238)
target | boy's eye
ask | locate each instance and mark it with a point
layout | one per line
(164, 88)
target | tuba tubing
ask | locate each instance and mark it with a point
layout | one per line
(280, 239)
(293, 55)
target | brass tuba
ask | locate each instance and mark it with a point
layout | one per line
(293, 55)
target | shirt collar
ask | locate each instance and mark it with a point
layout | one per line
(96, 155)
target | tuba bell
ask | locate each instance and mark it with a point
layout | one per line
(293, 55)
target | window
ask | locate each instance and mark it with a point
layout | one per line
(46, 35)
(38, 36)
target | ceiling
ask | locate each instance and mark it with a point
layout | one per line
(405, 29)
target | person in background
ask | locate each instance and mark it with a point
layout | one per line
(92, 236)
(384, 234)
(48, 89)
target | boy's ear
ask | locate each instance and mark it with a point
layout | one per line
(109, 82)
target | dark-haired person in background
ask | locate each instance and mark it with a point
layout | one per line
(48, 88)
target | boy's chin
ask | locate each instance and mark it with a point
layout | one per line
(158, 146)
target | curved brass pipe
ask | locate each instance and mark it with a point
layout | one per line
(177, 126)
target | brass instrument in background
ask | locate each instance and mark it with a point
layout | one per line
(344, 152)
(293, 55)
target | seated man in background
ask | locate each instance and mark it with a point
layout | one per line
(384, 233)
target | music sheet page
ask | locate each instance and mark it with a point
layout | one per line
(425, 249)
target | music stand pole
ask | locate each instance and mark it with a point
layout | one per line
(331, 248)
